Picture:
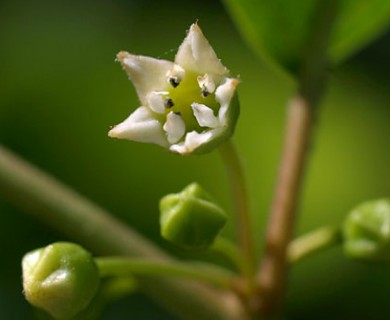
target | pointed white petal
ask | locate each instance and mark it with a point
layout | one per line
(140, 126)
(224, 95)
(194, 140)
(205, 115)
(155, 100)
(225, 91)
(174, 127)
(147, 74)
(196, 54)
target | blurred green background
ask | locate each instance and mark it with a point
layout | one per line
(60, 90)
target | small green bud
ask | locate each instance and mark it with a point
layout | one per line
(61, 278)
(190, 218)
(367, 231)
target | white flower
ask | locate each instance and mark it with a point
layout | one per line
(188, 106)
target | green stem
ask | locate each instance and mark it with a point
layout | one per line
(229, 250)
(60, 207)
(313, 242)
(238, 187)
(272, 275)
(118, 266)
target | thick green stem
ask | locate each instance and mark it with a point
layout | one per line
(241, 202)
(60, 207)
(119, 266)
(272, 275)
(315, 241)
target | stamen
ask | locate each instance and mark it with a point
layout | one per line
(175, 75)
(174, 81)
(168, 103)
(206, 84)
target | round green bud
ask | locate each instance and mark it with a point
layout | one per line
(191, 219)
(61, 279)
(366, 231)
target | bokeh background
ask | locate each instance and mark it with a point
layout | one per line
(60, 90)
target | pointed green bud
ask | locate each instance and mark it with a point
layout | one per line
(367, 231)
(188, 106)
(191, 219)
(61, 278)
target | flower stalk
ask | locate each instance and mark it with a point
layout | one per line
(230, 251)
(240, 197)
(119, 266)
(314, 241)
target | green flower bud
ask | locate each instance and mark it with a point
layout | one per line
(367, 231)
(190, 218)
(189, 106)
(61, 278)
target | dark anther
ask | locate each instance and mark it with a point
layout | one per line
(177, 113)
(205, 93)
(174, 81)
(169, 103)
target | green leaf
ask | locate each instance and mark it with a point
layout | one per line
(283, 31)
(275, 29)
(358, 23)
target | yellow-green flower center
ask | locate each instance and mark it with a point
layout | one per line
(184, 95)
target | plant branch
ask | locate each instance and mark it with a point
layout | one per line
(119, 266)
(230, 251)
(300, 121)
(280, 228)
(239, 193)
(60, 207)
(313, 242)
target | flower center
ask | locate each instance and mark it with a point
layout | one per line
(182, 95)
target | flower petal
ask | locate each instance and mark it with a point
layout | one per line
(147, 74)
(155, 101)
(196, 54)
(174, 127)
(140, 126)
(224, 95)
(205, 115)
(195, 140)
